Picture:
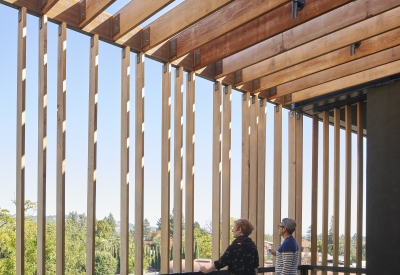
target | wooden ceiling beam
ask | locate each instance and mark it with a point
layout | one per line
(327, 23)
(259, 29)
(347, 82)
(181, 17)
(134, 13)
(345, 37)
(356, 66)
(369, 46)
(90, 9)
(46, 5)
(233, 16)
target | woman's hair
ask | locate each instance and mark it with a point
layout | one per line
(245, 225)
(289, 224)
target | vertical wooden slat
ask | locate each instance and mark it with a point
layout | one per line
(292, 165)
(226, 164)
(165, 166)
(325, 189)
(253, 185)
(336, 179)
(178, 151)
(92, 154)
(125, 181)
(189, 175)
(314, 190)
(262, 127)
(360, 183)
(277, 174)
(20, 159)
(245, 154)
(216, 170)
(299, 177)
(61, 134)
(42, 147)
(348, 206)
(139, 163)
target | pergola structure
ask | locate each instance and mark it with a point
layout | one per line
(318, 58)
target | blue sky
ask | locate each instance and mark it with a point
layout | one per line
(108, 178)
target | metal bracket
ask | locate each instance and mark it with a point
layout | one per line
(197, 57)
(244, 96)
(253, 99)
(238, 76)
(82, 10)
(225, 90)
(288, 97)
(123, 53)
(19, 15)
(138, 58)
(353, 47)
(216, 86)
(189, 77)
(291, 113)
(146, 37)
(272, 91)
(91, 41)
(59, 30)
(40, 23)
(298, 115)
(297, 5)
(165, 68)
(115, 24)
(277, 108)
(218, 67)
(261, 102)
(172, 48)
(256, 84)
(177, 72)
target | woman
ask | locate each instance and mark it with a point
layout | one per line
(241, 256)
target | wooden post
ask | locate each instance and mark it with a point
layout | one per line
(292, 165)
(360, 183)
(253, 184)
(299, 178)
(92, 154)
(42, 147)
(216, 171)
(165, 166)
(336, 178)
(226, 164)
(125, 181)
(325, 189)
(61, 161)
(314, 190)
(178, 173)
(348, 206)
(189, 175)
(245, 154)
(139, 163)
(277, 174)
(20, 159)
(261, 152)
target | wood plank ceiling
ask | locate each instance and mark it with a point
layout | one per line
(284, 54)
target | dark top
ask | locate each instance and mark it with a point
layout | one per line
(240, 257)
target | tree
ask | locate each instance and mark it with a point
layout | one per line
(171, 224)
(146, 229)
(308, 234)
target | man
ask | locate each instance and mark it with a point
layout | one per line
(287, 255)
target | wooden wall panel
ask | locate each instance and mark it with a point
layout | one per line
(42, 147)
(165, 166)
(245, 155)
(20, 159)
(226, 164)
(125, 146)
(190, 170)
(61, 145)
(178, 172)
(216, 170)
(139, 163)
(92, 154)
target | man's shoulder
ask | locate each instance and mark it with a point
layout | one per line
(289, 245)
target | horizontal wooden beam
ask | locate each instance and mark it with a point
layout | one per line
(260, 29)
(134, 13)
(339, 39)
(346, 82)
(288, 80)
(349, 68)
(90, 9)
(233, 16)
(327, 23)
(181, 17)
(46, 5)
